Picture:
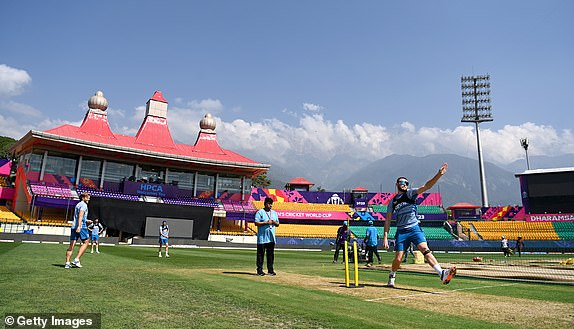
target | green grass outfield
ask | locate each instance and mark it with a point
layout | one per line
(217, 288)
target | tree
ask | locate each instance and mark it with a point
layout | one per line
(5, 145)
(261, 181)
(320, 189)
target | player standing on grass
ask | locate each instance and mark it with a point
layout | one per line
(79, 230)
(342, 236)
(96, 228)
(163, 238)
(504, 246)
(408, 229)
(266, 220)
(372, 240)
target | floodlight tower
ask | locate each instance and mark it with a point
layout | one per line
(476, 108)
(524, 143)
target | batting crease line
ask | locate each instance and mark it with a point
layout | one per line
(439, 292)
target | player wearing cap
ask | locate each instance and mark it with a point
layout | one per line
(342, 236)
(408, 230)
(371, 241)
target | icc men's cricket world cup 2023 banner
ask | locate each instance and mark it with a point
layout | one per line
(327, 215)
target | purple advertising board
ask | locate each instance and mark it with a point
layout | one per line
(150, 189)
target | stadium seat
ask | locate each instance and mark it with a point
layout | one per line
(493, 230)
(6, 216)
(303, 230)
(313, 207)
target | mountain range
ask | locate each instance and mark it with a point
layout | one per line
(460, 184)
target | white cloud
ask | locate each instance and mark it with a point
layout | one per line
(12, 81)
(237, 109)
(117, 114)
(206, 105)
(317, 138)
(16, 128)
(184, 124)
(320, 138)
(408, 126)
(312, 107)
(19, 108)
(10, 127)
(290, 113)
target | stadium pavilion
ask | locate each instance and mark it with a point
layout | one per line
(176, 180)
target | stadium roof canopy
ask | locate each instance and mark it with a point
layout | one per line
(544, 171)
(463, 205)
(300, 181)
(5, 166)
(153, 143)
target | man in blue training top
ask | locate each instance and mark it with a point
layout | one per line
(408, 230)
(266, 220)
(371, 241)
(79, 230)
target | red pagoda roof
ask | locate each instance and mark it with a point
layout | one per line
(300, 181)
(153, 139)
(158, 96)
(360, 189)
(158, 139)
(154, 131)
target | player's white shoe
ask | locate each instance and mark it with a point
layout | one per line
(391, 282)
(91, 252)
(447, 275)
(97, 251)
(167, 255)
(76, 263)
(67, 265)
(160, 255)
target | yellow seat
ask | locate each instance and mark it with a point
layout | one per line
(494, 230)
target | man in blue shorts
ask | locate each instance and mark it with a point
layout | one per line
(372, 240)
(163, 238)
(79, 230)
(95, 229)
(408, 230)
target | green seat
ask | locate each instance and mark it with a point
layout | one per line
(360, 231)
(420, 209)
(565, 230)
(436, 233)
(380, 208)
(430, 210)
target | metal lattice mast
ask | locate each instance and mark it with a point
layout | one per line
(476, 108)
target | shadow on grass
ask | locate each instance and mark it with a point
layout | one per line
(384, 286)
(59, 265)
(242, 273)
(409, 289)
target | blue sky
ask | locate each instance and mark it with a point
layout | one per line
(288, 79)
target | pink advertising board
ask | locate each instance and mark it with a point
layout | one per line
(294, 214)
